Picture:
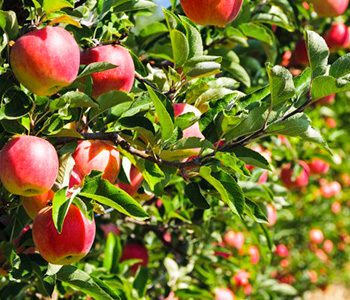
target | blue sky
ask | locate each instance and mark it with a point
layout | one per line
(165, 3)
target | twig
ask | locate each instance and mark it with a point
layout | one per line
(146, 82)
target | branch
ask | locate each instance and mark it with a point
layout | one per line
(146, 82)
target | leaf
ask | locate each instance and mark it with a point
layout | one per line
(75, 99)
(194, 38)
(51, 6)
(112, 253)
(180, 46)
(340, 67)
(96, 67)
(65, 19)
(165, 121)
(252, 158)
(323, 86)
(81, 281)
(8, 22)
(60, 206)
(106, 193)
(227, 187)
(194, 193)
(254, 211)
(64, 172)
(140, 282)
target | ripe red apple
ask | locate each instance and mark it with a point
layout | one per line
(74, 242)
(75, 178)
(211, 12)
(271, 214)
(224, 294)
(301, 57)
(32, 205)
(118, 79)
(97, 155)
(234, 239)
(254, 254)
(328, 246)
(330, 8)
(135, 251)
(331, 123)
(336, 207)
(29, 166)
(136, 179)
(330, 189)
(313, 276)
(327, 100)
(284, 263)
(318, 166)
(316, 236)
(46, 60)
(321, 255)
(338, 37)
(242, 278)
(300, 180)
(248, 289)
(282, 251)
(110, 228)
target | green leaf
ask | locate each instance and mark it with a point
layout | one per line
(95, 68)
(180, 46)
(140, 282)
(194, 38)
(60, 206)
(8, 22)
(106, 193)
(251, 157)
(64, 172)
(73, 99)
(51, 6)
(112, 253)
(254, 211)
(194, 193)
(165, 121)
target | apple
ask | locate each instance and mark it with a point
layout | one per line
(331, 123)
(282, 251)
(328, 246)
(284, 263)
(316, 236)
(292, 181)
(110, 228)
(248, 289)
(330, 189)
(135, 251)
(97, 155)
(301, 57)
(271, 214)
(336, 207)
(254, 254)
(318, 166)
(136, 179)
(71, 245)
(242, 278)
(338, 37)
(330, 8)
(234, 239)
(211, 12)
(117, 79)
(313, 276)
(29, 166)
(327, 100)
(171, 296)
(224, 294)
(321, 255)
(32, 205)
(75, 178)
(47, 71)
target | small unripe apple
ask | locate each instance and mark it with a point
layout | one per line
(117, 79)
(254, 254)
(316, 236)
(328, 246)
(135, 251)
(97, 155)
(318, 166)
(136, 179)
(234, 239)
(271, 214)
(211, 12)
(338, 37)
(224, 294)
(29, 166)
(282, 251)
(74, 242)
(298, 181)
(46, 60)
(32, 205)
(242, 278)
(330, 8)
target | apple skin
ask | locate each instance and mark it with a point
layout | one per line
(135, 251)
(32, 205)
(47, 71)
(75, 178)
(330, 8)
(338, 37)
(234, 239)
(224, 294)
(97, 155)
(282, 251)
(242, 278)
(118, 79)
(301, 180)
(316, 236)
(301, 57)
(336, 207)
(318, 166)
(136, 179)
(328, 246)
(29, 166)
(331, 189)
(271, 214)
(254, 254)
(211, 12)
(74, 242)
(313, 276)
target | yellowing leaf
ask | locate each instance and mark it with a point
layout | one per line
(51, 6)
(66, 20)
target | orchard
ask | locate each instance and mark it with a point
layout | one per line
(174, 150)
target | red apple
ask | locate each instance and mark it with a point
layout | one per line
(313, 276)
(242, 278)
(74, 242)
(224, 294)
(338, 37)
(46, 60)
(327, 100)
(328, 246)
(118, 79)
(234, 239)
(300, 180)
(75, 178)
(330, 8)
(271, 214)
(316, 236)
(330, 189)
(135, 251)
(32, 205)
(282, 251)
(254, 254)
(301, 57)
(97, 155)
(284, 263)
(248, 289)
(110, 228)
(136, 179)
(318, 166)
(171, 296)
(331, 123)
(321, 255)
(336, 207)
(211, 12)
(29, 166)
